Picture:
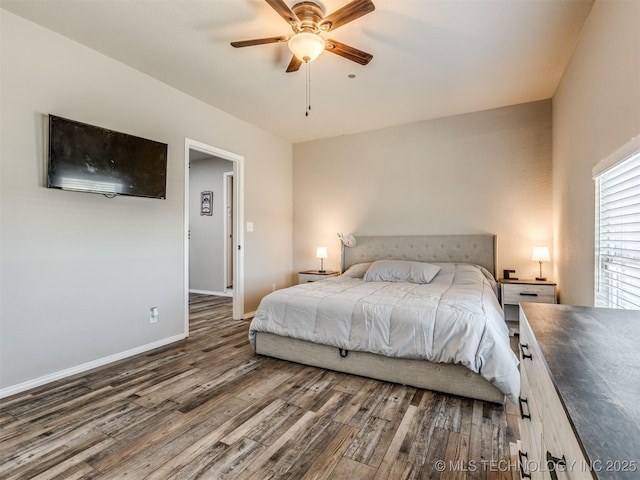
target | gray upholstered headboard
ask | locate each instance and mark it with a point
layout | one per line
(477, 249)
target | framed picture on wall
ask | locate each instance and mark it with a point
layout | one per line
(206, 203)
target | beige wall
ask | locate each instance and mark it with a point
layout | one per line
(485, 172)
(596, 109)
(79, 272)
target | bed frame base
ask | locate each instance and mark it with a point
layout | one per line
(441, 377)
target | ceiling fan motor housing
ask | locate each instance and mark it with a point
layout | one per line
(309, 14)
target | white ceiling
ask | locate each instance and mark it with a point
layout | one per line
(431, 58)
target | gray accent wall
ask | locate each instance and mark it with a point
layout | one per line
(484, 172)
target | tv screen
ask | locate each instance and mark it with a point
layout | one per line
(87, 158)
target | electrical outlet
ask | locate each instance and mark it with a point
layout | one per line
(153, 317)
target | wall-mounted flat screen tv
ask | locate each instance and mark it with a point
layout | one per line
(92, 159)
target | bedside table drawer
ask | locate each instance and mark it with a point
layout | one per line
(308, 277)
(314, 276)
(515, 293)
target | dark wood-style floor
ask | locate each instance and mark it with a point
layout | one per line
(207, 407)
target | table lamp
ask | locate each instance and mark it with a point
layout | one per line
(540, 254)
(321, 253)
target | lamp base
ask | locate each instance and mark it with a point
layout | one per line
(541, 279)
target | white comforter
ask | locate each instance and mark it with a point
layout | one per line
(454, 319)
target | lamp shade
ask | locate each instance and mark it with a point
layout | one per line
(540, 254)
(306, 46)
(321, 252)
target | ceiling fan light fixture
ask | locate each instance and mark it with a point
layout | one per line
(306, 46)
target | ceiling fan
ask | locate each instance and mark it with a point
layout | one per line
(307, 22)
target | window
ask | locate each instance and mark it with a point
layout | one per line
(617, 269)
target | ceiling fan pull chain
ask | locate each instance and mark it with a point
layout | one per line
(306, 113)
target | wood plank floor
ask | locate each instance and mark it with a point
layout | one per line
(207, 407)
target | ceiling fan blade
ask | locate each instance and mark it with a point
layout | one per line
(348, 52)
(346, 14)
(284, 11)
(294, 64)
(258, 41)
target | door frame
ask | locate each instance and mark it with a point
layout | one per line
(238, 221)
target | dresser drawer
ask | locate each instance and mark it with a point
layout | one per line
(560, 442)
(530, 423)
(515, 293)
(532, 361)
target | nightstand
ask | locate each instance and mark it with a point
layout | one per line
(315, 275)
(512, 292)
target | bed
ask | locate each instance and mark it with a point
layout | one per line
(441, 331)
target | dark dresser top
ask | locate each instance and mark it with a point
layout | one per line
(593, 355)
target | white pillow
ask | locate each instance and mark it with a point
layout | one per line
(357, 270)
(401, 271)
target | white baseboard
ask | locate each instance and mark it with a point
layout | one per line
(52, 377)
(249, 315)
(217, 294)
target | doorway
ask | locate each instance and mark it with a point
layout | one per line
(228, 200)
(210, 261)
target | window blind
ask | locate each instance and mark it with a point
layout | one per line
(617, 282)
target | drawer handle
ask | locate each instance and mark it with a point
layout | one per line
(523, 474)
(524, 346)
(553, 463)
(522, 414)
(525, 294)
